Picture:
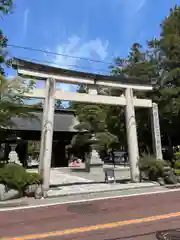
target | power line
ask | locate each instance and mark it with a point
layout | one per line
(57, 54)
(69, 65)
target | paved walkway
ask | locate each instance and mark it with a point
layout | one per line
(65, 176)
(97, 173)
(126, 218)
(59, 178)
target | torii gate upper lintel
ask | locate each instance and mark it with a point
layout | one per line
(50, 93)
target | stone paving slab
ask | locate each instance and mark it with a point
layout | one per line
(58, 178)
(65, 176)
(96, 175)
(94, 188)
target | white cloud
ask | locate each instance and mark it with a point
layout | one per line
(76, 48)
(25, 21)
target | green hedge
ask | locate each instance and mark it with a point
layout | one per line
(177, 172)
(177, 155)
(16, 177)
(177, 164)
(152, 167)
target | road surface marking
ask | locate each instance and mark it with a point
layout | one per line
(84, 200)
(96, 227)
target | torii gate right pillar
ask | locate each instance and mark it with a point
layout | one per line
(132, 139)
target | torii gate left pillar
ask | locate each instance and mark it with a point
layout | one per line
(47, 135)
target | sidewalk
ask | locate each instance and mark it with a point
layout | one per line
(83, 189)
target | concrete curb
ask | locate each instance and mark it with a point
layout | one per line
(100, 191)
(13, 203)
(173, 186)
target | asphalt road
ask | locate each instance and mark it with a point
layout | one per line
(137, 217)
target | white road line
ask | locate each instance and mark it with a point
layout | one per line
(84, 200)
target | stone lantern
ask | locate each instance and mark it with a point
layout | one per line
(13, 141)
(93, 159)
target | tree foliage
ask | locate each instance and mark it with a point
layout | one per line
(11, 101)
(11, 90)
(58, 104)
(92, 119)
(5, 7)
(168, 95)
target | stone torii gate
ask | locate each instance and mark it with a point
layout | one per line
(52, 75)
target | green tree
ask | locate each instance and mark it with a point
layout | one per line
(58, 104)
(5, 7)
(11, 90)
(168, 97)
(11, 100)
(140, 64)
(92, 119)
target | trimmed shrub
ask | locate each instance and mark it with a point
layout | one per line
(177, 172)
(152, 167)
(177, 164)
(177, 155)
(33, 178)
(15, 176)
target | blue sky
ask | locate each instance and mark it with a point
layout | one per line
(96, 29)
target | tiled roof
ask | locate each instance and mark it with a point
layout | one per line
(64, 121)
